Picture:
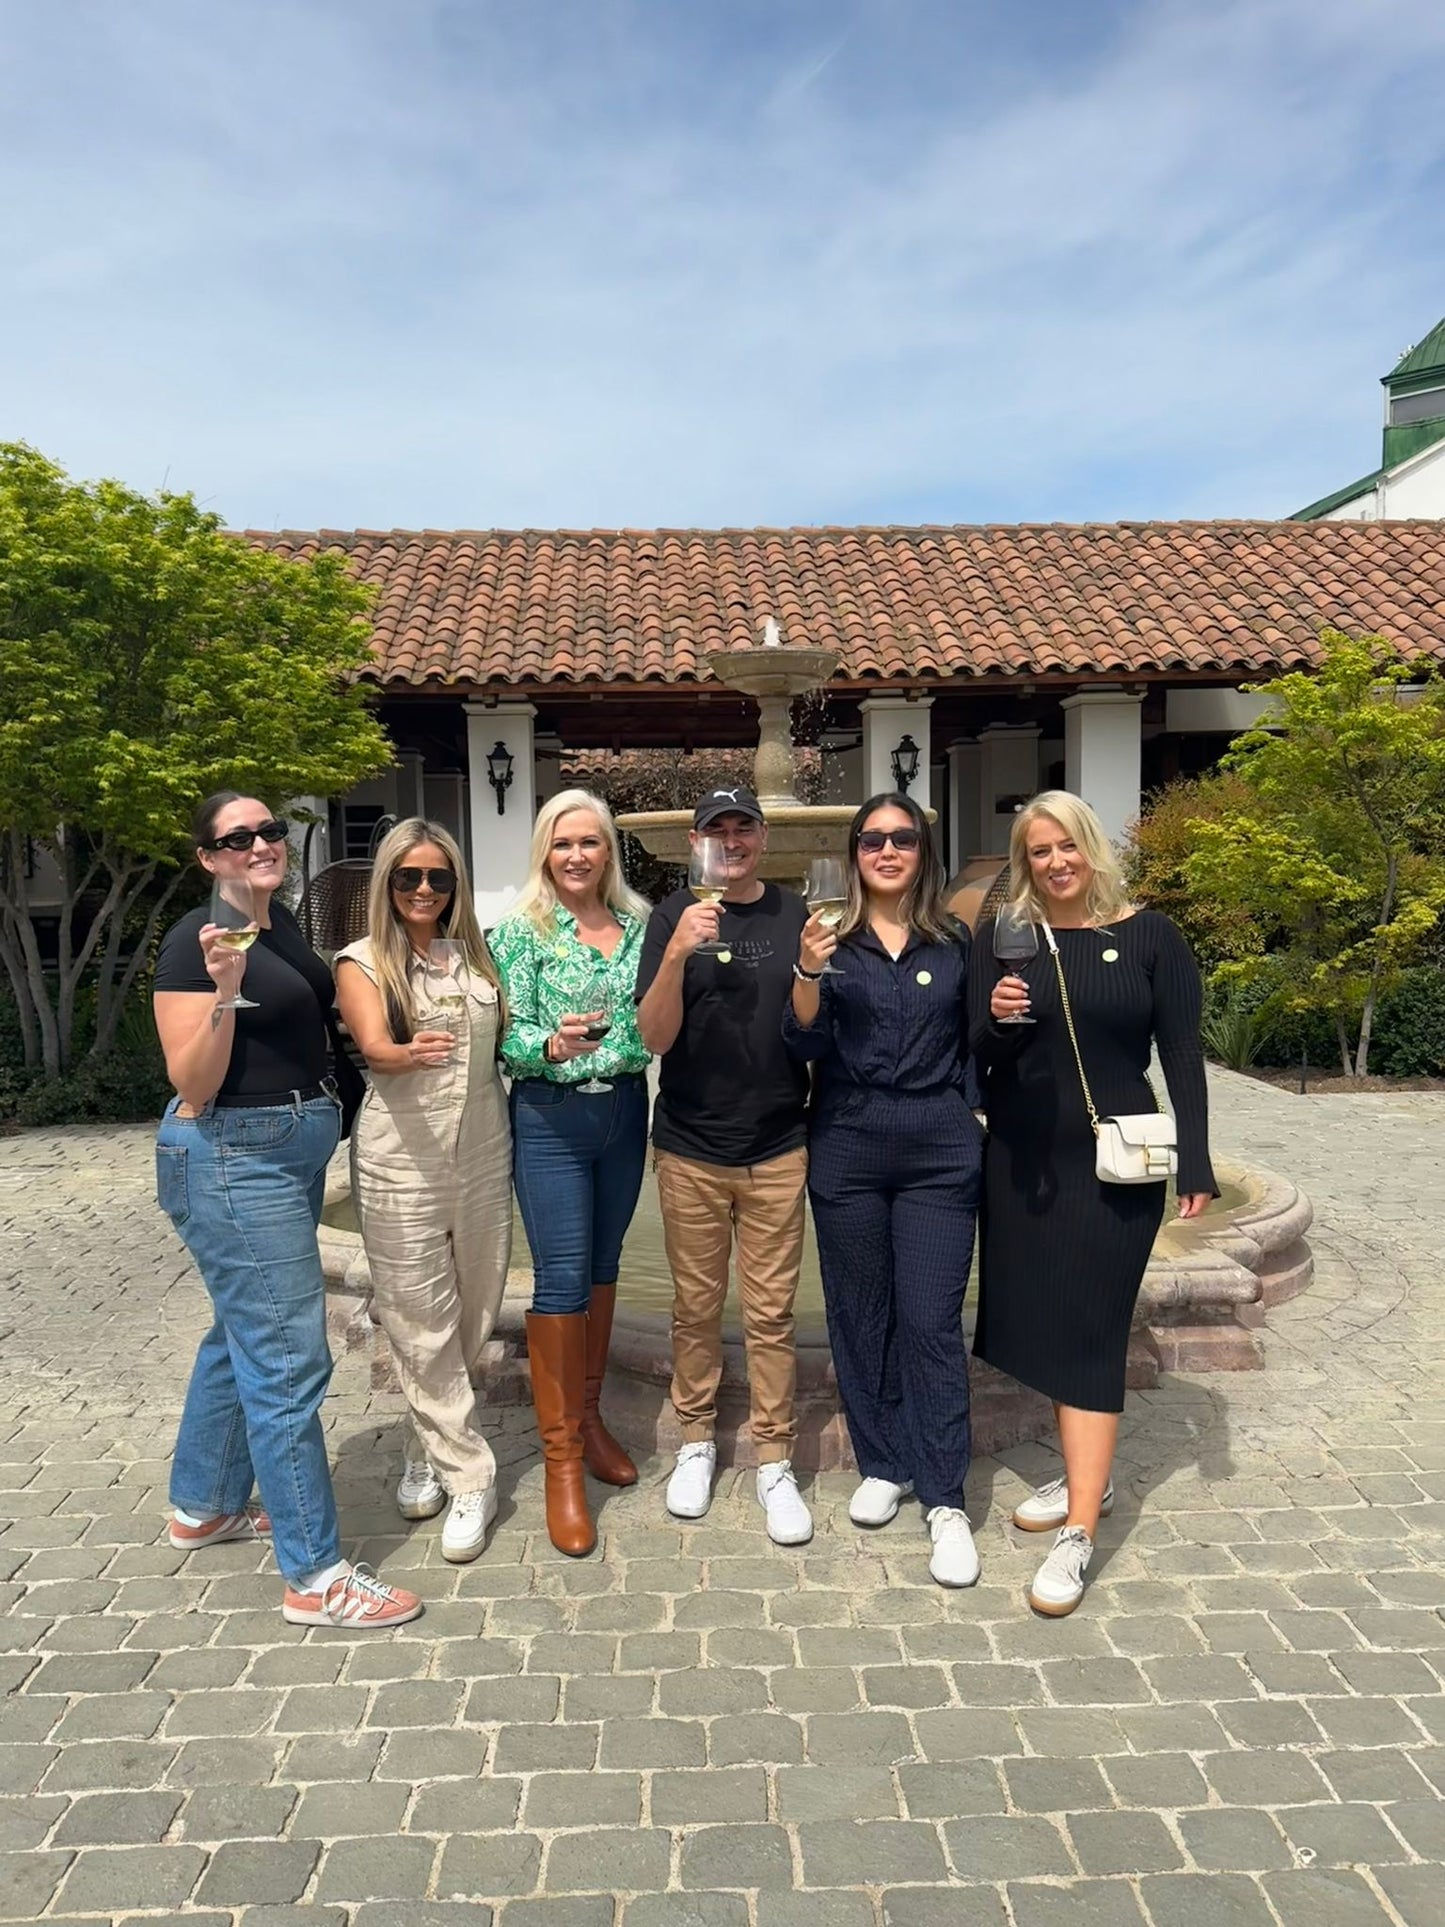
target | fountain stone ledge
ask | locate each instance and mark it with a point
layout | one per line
(1206, 1295)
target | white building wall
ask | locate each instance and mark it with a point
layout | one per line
(501, 837)
(885, 720)
(1102, 754)
(1412, 490)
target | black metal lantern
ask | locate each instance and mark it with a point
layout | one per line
(904, 762)
(499, 774)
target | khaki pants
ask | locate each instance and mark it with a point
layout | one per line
(702, 1205)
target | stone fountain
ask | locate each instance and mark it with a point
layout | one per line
(772, 673)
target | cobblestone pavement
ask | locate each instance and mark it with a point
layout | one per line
(1244, 1723)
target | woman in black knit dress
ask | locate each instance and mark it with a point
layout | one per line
(1063, 1254)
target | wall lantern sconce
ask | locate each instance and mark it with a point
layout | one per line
(904, 763)
(499, 774)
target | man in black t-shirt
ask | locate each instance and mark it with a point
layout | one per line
(728, 1130)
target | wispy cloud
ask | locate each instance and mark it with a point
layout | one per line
(332, 261)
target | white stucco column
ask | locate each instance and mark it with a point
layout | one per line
(1008, 774)
(500, 837)
(886, 719)
(964, 830)
(1102, 754)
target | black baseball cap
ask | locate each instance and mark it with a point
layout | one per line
(735, 802)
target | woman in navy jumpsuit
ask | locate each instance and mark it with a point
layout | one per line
(894, 1155)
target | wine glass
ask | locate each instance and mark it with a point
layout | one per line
(234, 907)
(1015, 940)
(707, 878)
(827, 895)
(444, 989)
(599, 1000)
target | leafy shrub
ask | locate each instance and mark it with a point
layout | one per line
(1409, 1037)
(1236, 1031)
(127, 1085)
(1162, 842)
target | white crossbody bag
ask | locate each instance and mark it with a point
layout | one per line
(1128, 1150)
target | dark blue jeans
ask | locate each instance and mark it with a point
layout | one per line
(244, 1189)
(578, 1161)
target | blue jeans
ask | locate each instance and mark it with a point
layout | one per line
(578, 1162)
(244, 1188)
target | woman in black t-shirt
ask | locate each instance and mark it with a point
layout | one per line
(241, 1166)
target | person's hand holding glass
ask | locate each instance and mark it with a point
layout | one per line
(827, 897)
(233, 928)
(599, 1013)
(1015, 940)
(707, 878)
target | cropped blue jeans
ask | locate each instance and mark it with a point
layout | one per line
(578, 1160)
(243, 1188)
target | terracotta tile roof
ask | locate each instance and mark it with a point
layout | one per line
(488, 607)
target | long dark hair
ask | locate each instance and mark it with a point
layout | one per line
(922, 907)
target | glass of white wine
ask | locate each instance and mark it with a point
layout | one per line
(598, 1000)
(233, 907)
(444, 986)
(707, 878)
(827, 895)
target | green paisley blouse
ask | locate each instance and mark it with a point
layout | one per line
(546, 978)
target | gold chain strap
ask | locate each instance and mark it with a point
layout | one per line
(1069, 1021)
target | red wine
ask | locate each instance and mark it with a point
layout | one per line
(594, 1033)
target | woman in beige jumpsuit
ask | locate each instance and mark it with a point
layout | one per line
(432, 1164)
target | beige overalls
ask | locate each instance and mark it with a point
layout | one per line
(432, 1164)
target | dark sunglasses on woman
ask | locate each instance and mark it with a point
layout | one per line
(444, 882)
(273, 832)
(873, 840)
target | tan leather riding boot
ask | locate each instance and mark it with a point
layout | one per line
(604, 1457)
(557, 1354)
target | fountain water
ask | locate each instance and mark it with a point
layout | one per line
(772, 673)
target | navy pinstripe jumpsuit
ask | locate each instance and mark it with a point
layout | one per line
(894, 1157)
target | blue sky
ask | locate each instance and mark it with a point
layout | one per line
(451, 263)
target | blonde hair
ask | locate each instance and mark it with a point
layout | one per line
(537, 898)
(391, 950)
(1108, 894)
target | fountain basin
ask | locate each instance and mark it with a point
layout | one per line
(1206, 1293)
(797, 832)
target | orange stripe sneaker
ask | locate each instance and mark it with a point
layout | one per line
(220, 1530)
(357, 1599)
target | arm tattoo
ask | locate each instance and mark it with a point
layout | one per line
(216, 1016)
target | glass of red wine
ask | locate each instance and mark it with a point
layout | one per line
(1015, 941)
(598, 1004)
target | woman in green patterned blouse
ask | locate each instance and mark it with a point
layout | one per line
(567, 952)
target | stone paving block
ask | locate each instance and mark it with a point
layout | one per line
(609, 1697)
(1156, 1780)
(946, 1792)
(1153, 1635)
(223, 1762)
(941, 1907)
(398, 1867)
(660, 1652)
(1095, 1682)
(1072, 1731)
(417, 1913)
(1200, 1677)
(237, 1812)
(1400, 1628)
(1123, 1843)
(278, 1916)
(24, 1720)
(348, 1808)
(526, 1749)
(27, 1881)
(325, 1709)
(525, 1699)
(465, 1806)
(1006, 1847)
(1294, 1674)
(1233, 1839)
(114, 1878)
(957, 1641)
(488, 1866)
(1263, 1779)
(1083, 1903)
(695, 1910)
(582, 1799)
(912, 1685)
(835, 1793)
(117, 1819)
(961, 1733)
(1363, 1722)
(612, 1860)
(104, 1764)
(197, 1669)
(417, 1755)
(822, 1689)
(1055, 1786)
(1422, 1822)
(24, 1823)
(1345, 1835)
(571, 1653)
(741, 1738)
(577, 1910)
(1414, 1893)
(713, 1691)
(23, 1767)
(1381, 1774)
(840, 1853)
(1205, 1900)
(711, 1794)
(749, 1646)
(333, 1756)
(1265, 1723)
(258, 1872)
(847, 1739)
(91, 1672)
(478, 1658)
(1324, 1897)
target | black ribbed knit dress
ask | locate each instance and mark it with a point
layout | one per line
(1062, 1256)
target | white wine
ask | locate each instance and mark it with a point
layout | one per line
(707, 892)
(237, 939)
(828, 910)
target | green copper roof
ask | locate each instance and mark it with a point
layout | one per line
(1427, 357)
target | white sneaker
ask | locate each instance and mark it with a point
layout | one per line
(877, 1501)
(955, 1556)
(1049, 1507)
(789, 1521)
(689, 1490)
(467, 1522)
(420, 1494)
(1059, 1582)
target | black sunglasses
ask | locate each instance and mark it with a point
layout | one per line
(873, 840)
(273, 832)
(444, 882)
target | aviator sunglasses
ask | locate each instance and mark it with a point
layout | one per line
(273, 832)
(873, 840)
(408, 877)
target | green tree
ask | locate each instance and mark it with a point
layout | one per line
(1332, 844)
(147, 658)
